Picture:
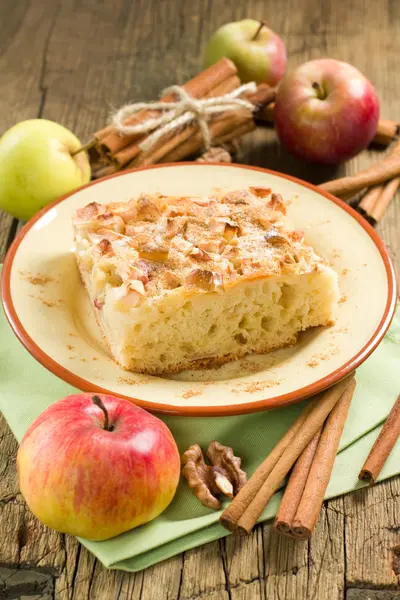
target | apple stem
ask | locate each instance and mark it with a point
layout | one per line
(320, 91)
(97, 401)
(255, 36)
(84, 148)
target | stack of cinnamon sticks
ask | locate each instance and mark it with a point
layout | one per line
(110, 151)
(308, 449)
(312, 440)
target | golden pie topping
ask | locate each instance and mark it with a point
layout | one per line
(157, 243)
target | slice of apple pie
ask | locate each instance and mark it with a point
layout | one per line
(185, 282)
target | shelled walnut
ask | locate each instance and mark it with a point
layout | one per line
(223, 477)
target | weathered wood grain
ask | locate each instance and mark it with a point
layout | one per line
(72, 61)
(357, 594)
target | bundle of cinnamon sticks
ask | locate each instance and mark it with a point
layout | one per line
(314, 437)
(110, 151)
(309, 448)
(381, 180)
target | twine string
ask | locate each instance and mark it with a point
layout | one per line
(178, 114)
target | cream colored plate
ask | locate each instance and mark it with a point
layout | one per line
(50, 312)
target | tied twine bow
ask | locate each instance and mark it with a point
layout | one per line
(180, 113)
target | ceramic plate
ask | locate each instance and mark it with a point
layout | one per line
(50, 313)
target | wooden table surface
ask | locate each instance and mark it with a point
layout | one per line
(70, 61)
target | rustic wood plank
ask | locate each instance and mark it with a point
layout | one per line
(357, 594)
(6, 233)
(202, 571)
(372, 536)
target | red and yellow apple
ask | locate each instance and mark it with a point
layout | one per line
(96, 466)
(258, 53)
(326, 111)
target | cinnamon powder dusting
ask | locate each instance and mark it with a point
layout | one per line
(190, 394)
(38, 279)
(313, 362)
(127, 380)
(48, 303)
(131, 381)
(316, 358)
(255, 386)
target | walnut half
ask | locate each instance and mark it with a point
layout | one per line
(224, 475)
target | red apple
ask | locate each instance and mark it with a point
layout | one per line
(326, 111)
(95, 466)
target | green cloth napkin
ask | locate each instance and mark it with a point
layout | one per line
(26, 389)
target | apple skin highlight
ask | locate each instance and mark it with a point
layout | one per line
(326, 111)
(81, 479)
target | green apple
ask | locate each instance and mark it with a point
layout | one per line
(258, 53)
(37, 165)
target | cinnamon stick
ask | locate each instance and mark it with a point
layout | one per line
(383, 446)
(197, 87)
(386, 132)
(370, 199)
(321, 468)
(262, 97)
(104, 171)
(377, 199)
(259, 490)
(377, 173)
(233, 512)
(129, 153)
(266, 114)
(236, 133)
(385, 198)
(295, 487)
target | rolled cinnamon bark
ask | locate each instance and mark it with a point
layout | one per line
(386, 132)
(370, 199)
(377, 173)
(262, 97)
(321, 468)
(266, 114)
(243, 513)
(383, 446)
(197, 87)
(295, 487)
(232, 514)
(384, 200)
(377, 199)
(235, 134)
(104, 171)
